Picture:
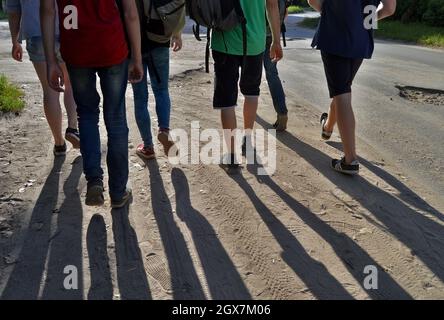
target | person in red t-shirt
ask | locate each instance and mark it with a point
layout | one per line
(93, 42)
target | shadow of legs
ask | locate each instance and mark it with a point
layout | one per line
(184, 279)
(96, 242)
(131, 275)
(222, 277)
(25, 279)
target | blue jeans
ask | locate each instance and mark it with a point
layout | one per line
(274, 83)
(113, 82)
(161, 61)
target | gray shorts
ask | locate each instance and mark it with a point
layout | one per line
(36, 53)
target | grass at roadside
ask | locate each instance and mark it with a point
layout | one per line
(394, 30)
(295, 9)
(11, 97)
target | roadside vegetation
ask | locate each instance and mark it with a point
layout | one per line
(417, 21)
(295, 9)
(11, 97)
(415, 32)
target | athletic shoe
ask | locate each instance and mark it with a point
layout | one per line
(146, 153)
(73, 136)
(342, 167)
(94, 193)
(127, 197)
(60, 151)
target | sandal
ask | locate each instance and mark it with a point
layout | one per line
(326, 135)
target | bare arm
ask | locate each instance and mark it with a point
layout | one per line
(14, 18)
(316, 4)
(388, 9)
(47, 23)
(274, 21)
(133, 29)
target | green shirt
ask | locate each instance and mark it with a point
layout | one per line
(231, 42)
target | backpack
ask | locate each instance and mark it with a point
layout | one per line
(283, 5)
(218, 15)
(162, 18)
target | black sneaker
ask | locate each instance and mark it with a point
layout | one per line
(60, 151)
(127, 197)
(94, 193)
(73, 136)
(342, 167)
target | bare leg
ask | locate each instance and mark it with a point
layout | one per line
(229, 122)
(51, 104)
(331, 121)
(346, 125)
(250, 112)
(68, 98)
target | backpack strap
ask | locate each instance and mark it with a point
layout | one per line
(207, 51)
(196, 32)
(149, 56)
(240, 13)
(284, 31)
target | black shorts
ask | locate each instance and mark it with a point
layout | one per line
(340, 72)
(226, 85)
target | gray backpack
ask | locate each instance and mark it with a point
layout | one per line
(162, 18)
(218, 15)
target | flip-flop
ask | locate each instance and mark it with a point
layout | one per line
(326, 135)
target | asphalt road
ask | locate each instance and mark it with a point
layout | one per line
(409, 133)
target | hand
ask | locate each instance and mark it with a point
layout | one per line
(176, 42)
(17, 52)
(276, 52)
(55, 77)
(135, 72)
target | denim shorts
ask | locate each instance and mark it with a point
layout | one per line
(36, 53)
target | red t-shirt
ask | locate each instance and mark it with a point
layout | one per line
(99, 40)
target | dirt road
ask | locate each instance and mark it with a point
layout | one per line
(194, 232)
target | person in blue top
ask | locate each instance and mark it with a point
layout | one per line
(24, 24)
(345, 39)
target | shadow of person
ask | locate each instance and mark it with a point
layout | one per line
(314, 274)
(67, 235)
(423, 236)
(405, 193)
(223, 280)
(184, 280)
(26, 277)
(96, 242)
(131, 275)
(354, 257)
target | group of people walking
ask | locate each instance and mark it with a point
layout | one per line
(71, 42)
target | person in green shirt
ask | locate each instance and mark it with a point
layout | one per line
(228, 55)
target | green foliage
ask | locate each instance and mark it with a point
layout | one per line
(434, 14)
(295, 9)
(427, 11)
(11, 97)
(415, 32)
